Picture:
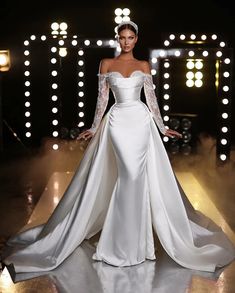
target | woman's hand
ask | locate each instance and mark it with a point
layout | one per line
(172, 133)
(85, 135)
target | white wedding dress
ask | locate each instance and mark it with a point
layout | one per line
(124, 186)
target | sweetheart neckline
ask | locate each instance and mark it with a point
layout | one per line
(109, 72)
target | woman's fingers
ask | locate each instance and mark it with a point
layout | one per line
(171, 133)
(85, 135)
(176, 133)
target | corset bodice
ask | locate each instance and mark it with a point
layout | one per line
(126, 89)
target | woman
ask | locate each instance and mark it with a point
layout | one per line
(124, 185)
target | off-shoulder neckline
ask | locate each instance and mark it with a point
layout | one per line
(125, 77)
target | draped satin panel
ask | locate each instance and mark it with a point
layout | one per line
(123, 186)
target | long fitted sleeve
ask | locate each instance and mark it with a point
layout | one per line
(152, 103)
(102, 101)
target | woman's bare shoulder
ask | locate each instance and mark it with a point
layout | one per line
(105, 64)
(145, 66)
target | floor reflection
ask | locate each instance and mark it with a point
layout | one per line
(79, 273)
(42, 180)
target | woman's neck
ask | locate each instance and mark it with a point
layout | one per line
(126, 56)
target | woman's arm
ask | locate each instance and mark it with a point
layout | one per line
(102, 101)
(152, 103)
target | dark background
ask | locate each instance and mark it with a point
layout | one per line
(96, 20)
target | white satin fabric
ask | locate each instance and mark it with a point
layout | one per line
(160, 276)
(124, 185)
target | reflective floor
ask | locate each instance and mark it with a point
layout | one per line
(39, 183)
(80, 274)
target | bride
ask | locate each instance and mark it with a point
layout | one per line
(124, 186)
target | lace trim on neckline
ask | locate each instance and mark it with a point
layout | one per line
(121, 75)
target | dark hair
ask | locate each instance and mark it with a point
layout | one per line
(127, 26)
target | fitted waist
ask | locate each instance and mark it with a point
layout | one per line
(131, 103)
(126, 95)
(125, 102)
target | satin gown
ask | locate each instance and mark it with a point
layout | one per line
(124, 187)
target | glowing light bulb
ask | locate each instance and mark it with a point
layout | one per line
(223, 157)
(190, 83)
(55, 146)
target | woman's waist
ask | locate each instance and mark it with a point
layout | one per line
(126, 102)
(130, 106)
(129, 111)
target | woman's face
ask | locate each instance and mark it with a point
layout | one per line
(127, 40)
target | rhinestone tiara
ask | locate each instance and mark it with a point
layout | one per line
(126, 22)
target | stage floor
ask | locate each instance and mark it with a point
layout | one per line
(210, 191)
